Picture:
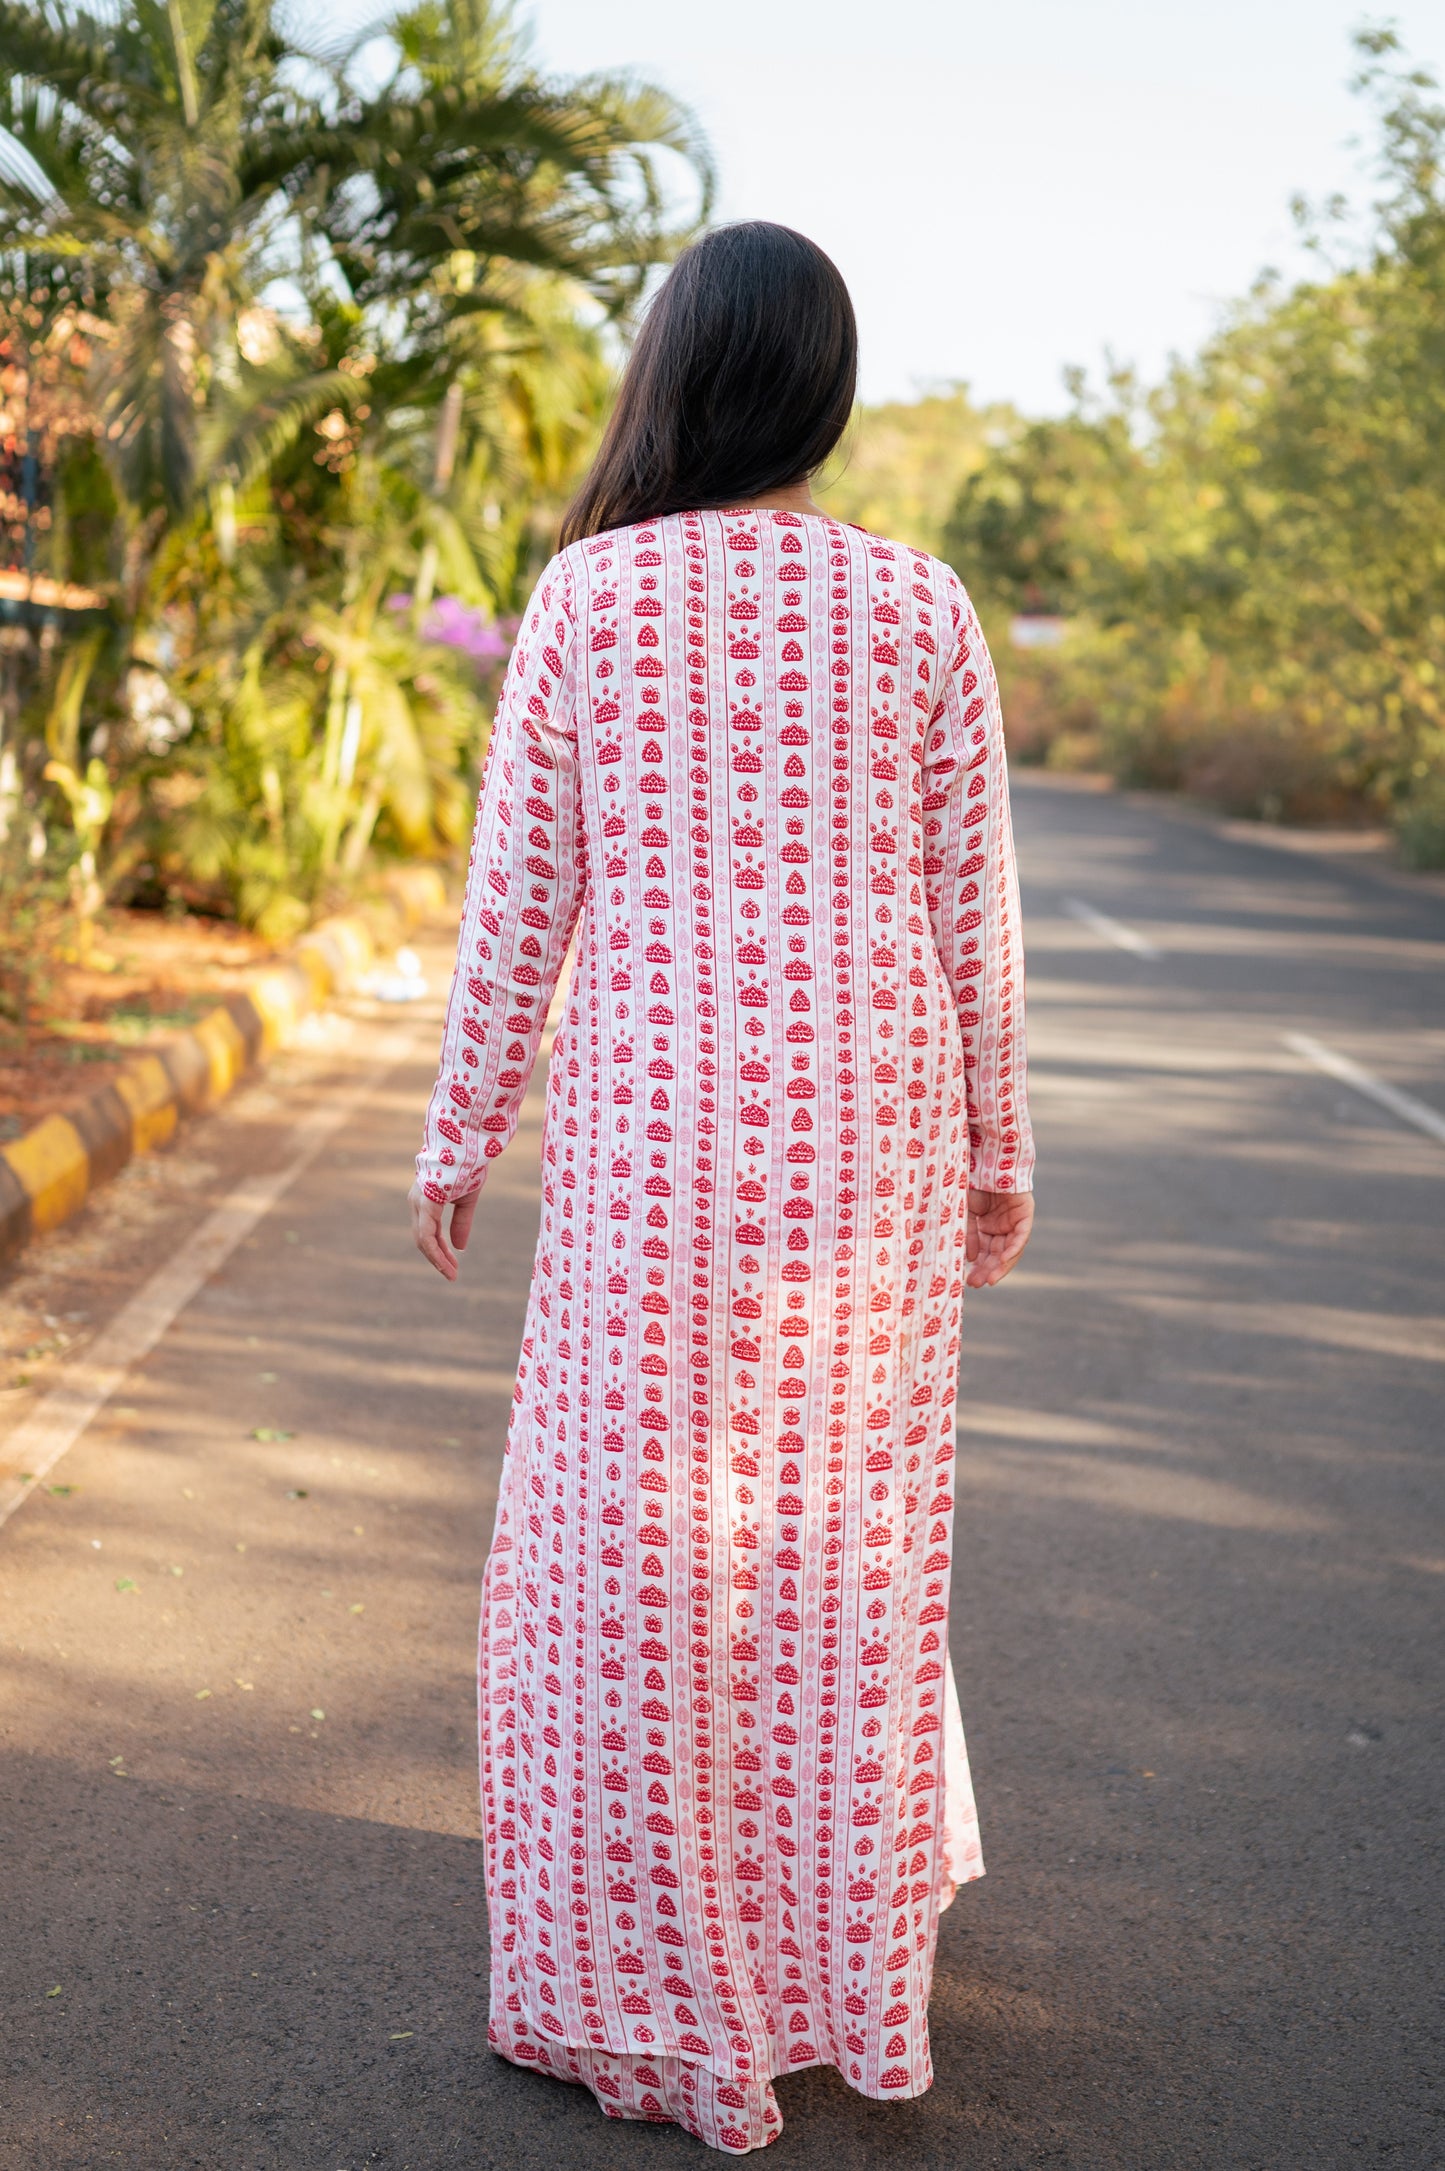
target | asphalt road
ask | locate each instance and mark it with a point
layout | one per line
(1196, 1627)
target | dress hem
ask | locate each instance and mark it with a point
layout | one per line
(740, 2141)
(660, 2086)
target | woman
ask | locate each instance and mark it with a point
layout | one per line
(759, 753)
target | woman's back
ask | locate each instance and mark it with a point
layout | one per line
(797, 714)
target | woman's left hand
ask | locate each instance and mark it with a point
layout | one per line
(429, 1227)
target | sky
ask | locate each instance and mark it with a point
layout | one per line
(1015, 188)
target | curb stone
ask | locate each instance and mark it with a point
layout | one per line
(47, 1174)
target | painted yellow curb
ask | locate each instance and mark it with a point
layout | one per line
(46, 1175)
(278, 999)
(146, 1088)
(54, 1167)
(317, 971)
(225, 1050)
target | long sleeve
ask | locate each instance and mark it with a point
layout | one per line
(973, 901)
(524, 887)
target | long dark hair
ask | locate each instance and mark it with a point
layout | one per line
(741, 381)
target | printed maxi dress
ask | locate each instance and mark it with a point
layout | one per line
(753, 761)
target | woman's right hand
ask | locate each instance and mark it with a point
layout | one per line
(999, 1225)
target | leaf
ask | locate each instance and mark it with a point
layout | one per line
(356, 1609)
(64, 1491)
(126, 1583)
(296, 1492)
(268, 1432)
(55, 1993)
(401, 2035)
(201, 1695)
(318, 1714)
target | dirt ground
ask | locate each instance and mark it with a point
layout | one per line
(148, 975)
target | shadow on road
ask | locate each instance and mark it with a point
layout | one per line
(246, 1983)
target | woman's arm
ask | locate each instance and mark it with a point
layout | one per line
(524, 888)
(973, 904)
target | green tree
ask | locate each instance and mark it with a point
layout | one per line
(1251, 553)
(293, 281)
(902, 464)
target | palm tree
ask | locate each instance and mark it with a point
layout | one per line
(266, 246)
(165, 163)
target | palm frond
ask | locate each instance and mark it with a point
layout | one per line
(547, 178)
(642, 115)
(83, 65)
(25, 172)
(245, 446)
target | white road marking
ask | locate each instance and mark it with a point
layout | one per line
(1122, 937)
(59, 1419)
(1403, 1105)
